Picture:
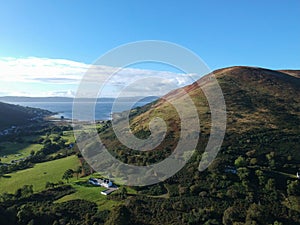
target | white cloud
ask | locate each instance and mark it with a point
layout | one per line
(66, 93)
(42, 70)
(18, 93)
(67, 72)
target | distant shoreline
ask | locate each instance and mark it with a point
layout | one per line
(103, 108)
(12, 99)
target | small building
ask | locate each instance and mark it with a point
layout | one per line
(104, 183)
(107, 191)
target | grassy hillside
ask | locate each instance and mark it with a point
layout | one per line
(37, 176)
(13, 151)
(257, 101)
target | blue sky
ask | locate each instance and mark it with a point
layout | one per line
(223, 33)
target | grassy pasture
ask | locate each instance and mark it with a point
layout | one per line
(37, 176)
(14, 150)
(90, 193)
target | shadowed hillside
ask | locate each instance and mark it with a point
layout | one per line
(15, 115)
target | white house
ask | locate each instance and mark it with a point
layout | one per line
(104, 183)
(101, 182)
(107, 183)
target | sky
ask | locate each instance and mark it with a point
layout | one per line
(47, 46)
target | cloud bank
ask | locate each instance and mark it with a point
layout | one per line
(62, 72)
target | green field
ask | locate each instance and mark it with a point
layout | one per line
(51, 171)
(69, 137)
(92, 194)
(14, 150)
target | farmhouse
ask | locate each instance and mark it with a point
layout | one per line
(104, 183)
(101, 182)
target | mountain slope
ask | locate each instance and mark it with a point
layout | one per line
(255, 98)
(15, 115)
(252, 180)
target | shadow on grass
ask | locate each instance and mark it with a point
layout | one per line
(84, 184)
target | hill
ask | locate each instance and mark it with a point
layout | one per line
(256, 99)
(15, 115)
(255, 169)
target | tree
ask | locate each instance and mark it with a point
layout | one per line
(49, 185)
(31, 222)
(230, 215)
(240, 162)
(271, 160)
(1, 171)
(61, 143)
(277, 223)
(261, 178)
(47, 141)
(6, 197)
(256, 214)
(119, 216)
(27, 190)
(24, 191)
(56, 138)
(215, 166)
(293, 187)
(25, 214)
(270, 156)
(270, 186)
(68, 175)
(32, 152)
(253, 161)
(78, 171)
(123, 193)
(195, 189)
(243, 173)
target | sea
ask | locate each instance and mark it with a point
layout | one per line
(103, 109)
